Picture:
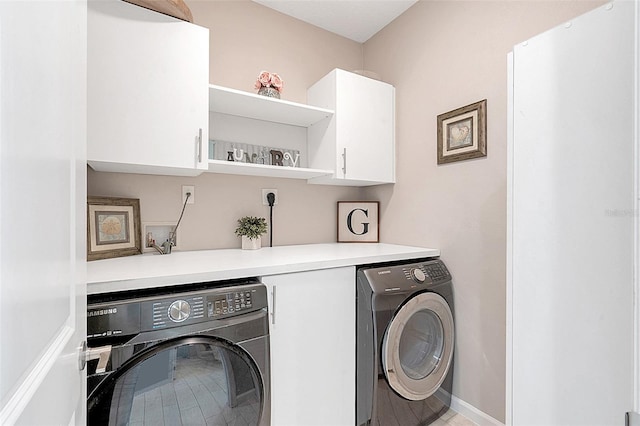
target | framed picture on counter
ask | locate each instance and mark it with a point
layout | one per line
(462, 133)
(358, 221)
(113, 227)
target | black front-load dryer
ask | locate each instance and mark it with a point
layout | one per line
(405, 335)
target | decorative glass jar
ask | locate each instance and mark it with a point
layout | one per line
(270, 92)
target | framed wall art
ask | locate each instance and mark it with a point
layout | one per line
(462, 133)
(113, 227)
(358, 221)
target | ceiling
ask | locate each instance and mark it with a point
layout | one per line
(357, 20)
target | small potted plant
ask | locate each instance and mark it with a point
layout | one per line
(251, 229)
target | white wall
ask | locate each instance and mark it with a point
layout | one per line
(442, 55)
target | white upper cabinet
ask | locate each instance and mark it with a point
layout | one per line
(148, 97)
(358, 142)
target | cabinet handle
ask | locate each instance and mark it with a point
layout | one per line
(200, 145)
(344, 161)
(273, 305)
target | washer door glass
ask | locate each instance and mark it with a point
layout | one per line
(190, 381)
(418, 346)
(421, 344)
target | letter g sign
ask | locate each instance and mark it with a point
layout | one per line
(358, 221)
(365, 225)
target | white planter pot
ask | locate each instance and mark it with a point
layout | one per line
(249, 244)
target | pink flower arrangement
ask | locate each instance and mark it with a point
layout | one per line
(269, 79)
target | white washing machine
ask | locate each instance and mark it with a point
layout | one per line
(405, 336)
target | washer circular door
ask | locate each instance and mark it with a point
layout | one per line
(193, 380)
(417, 348)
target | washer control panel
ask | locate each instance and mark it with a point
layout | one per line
(179, 311)
(169, 311)
(417, 274)
(201, 306)
(406, 277)
(437, 271)
(229, 303)
(434, 271)
(151, 312)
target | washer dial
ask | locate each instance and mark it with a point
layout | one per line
(179, 311)
(418, 275)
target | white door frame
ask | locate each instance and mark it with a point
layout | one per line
(636, 407)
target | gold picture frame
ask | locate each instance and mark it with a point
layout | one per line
(462, 133)
(113, 227)
(358, 221)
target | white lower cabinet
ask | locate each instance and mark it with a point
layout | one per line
(312, 347)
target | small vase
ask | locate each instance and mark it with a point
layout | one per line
(251, 244)
(270, 92)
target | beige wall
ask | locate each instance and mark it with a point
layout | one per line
(441, 55)
(244, 39)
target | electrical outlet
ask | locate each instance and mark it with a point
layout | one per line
(265, 202)
(190, 189)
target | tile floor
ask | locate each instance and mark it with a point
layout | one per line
(451, 418)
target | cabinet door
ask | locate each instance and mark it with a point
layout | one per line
(365, 128)
(359, 141)
(313, 347)
(148, 91)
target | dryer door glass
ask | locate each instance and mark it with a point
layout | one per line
(194, 381)
(417, 348)
(421, 344)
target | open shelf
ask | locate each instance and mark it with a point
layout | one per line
(244, 104)
(264, 170)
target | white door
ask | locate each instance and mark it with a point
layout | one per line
(42, 211)
(571, 203)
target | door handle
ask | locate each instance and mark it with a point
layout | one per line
(101, 353)
(632, 419)
(344, 162)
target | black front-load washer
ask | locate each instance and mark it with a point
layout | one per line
(192, 354)
(405, 335)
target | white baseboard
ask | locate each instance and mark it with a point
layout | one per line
(472, 413)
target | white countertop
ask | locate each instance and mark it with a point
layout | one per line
(155, 270)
